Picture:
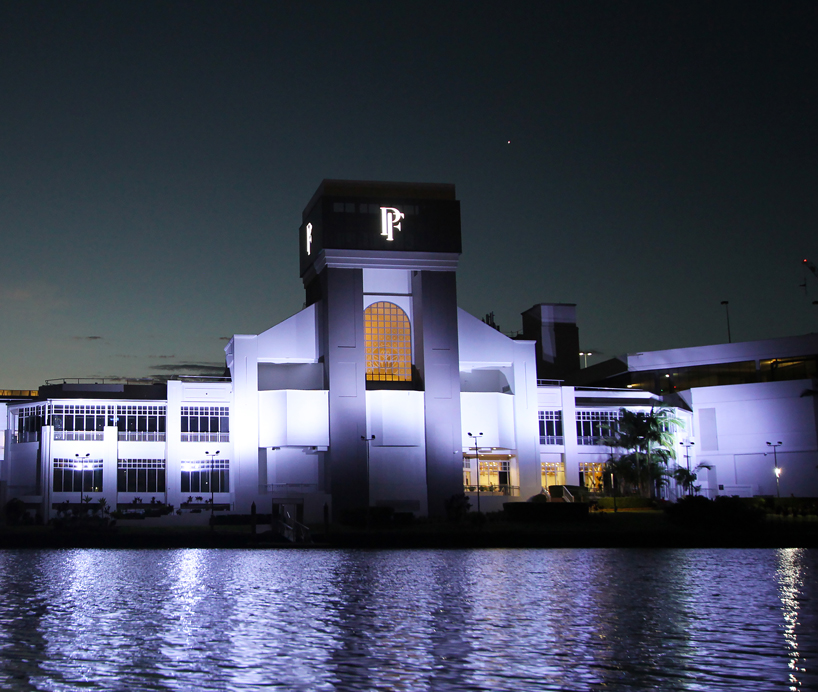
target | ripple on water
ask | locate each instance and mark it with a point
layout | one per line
(408, 620)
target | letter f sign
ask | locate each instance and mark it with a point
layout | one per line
(390, 221)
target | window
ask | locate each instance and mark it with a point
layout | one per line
(466, 471)
(496, 473)
(205, 423)
(594, 426)
(30, 420)
(553, 473)
(77, 476)
(78, 418)
(140, 422)
(206, 476)
(388, 336)
(590, 475)
(140, 476)
(551, 428)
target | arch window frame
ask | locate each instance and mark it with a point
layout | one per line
(388, 342)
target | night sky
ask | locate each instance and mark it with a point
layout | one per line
(645, 161)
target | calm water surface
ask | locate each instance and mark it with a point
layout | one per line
(408, 620)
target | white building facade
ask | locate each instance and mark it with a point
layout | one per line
(381, 392)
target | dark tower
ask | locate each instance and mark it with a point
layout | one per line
(554, 327)
(406, 234)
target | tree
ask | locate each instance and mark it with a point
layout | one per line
(649, 437)
(688, 478)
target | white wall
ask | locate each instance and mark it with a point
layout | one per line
(733, 425)
(491, 414)
(397, 455)
(290, 417)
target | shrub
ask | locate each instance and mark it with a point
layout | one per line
(15, 511)
(730, 512)
(627, 503)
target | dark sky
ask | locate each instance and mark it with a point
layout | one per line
(643, 160)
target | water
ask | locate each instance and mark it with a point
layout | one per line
(408, 620)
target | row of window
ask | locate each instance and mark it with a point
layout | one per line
(592, 427)
(140, 476)
(206, 419)
(591, 474)
(133, 421)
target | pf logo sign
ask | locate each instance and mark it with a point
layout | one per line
(390, 221)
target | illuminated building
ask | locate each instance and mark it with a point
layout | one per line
(375, 394)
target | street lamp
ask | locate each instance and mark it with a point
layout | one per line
(776, 468)
(726, 304)
(687, 444)
(80, 466)
(476, 437)
(368, 441)
(585, 354)
(212, 458)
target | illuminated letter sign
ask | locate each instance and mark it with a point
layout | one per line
(390, 221)
(309, 237)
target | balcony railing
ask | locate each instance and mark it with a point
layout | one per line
(589, 440)
(141, 436)
(552, 440)
(78, 435)
(205, 437)
(511, 490)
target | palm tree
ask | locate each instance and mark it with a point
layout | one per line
(648, 436)
(688, 478)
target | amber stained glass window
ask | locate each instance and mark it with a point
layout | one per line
(388, 343)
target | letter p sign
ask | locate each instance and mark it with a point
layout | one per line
(390, 221)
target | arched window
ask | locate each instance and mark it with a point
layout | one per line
(388, 343)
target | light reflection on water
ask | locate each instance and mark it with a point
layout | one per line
(408, 620)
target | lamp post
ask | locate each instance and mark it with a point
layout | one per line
(212, 456)
(81, 467)
(368, 440)
(726, 304)
(776, 468)
(585, 355)
(687, 444)
(476, 437)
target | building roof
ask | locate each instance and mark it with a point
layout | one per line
(766, 349)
